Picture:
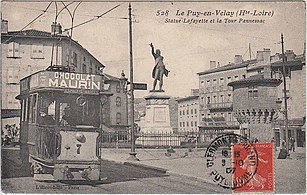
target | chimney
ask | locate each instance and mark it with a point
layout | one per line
(266, 55)
(289, 55)
(238, 59)
(4, 26)
(275, 58)
(56, 28)
(259, 56)
(267, 72)
(212, 64)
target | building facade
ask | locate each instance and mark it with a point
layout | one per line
(222, 107)
(216, 97)
(116, 115)
(296, 98)
(188, 114)
(255, 105)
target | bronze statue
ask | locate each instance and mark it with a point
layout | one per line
(159, 70)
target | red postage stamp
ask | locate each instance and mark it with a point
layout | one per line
(263, 177)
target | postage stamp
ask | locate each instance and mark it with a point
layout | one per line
(223, 157)
(238, 164)
(263, 177)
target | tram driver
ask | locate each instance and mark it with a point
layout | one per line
(46, 119)
(68, 118)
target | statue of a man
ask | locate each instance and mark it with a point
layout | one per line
(159, 70)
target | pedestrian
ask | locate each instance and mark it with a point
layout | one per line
(283, 144)
(274, 144)
(283, 153)
(292, 144)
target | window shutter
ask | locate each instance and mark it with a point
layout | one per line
(13, 75)
(40, 51)
(10, 50)
(33, 51)
(16, 50)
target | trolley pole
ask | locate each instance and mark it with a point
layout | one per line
(285, 92)
(132, 153)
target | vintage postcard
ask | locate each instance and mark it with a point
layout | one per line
(152, 97)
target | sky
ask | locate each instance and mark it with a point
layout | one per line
(187, 48)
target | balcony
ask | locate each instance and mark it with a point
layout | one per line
(219, 125)
(220, 106)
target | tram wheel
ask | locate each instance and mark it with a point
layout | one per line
(31, 169)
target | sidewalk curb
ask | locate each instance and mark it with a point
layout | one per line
(148, 167)
(191, 177)
(203, 180)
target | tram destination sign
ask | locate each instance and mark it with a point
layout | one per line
(64, 80)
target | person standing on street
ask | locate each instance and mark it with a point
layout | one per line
(292, 144)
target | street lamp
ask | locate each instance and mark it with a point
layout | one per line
(124, 85)
(285, 92)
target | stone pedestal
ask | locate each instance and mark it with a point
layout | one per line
(157, 117)
(155, 126)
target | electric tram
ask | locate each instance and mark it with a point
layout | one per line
(61, 124)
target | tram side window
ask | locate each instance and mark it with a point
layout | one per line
(33, 108)
(27, 109)
(47, 110)
(23, 109)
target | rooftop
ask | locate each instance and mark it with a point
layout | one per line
(31, 32)
(259, 78)
(187, 98)
(110, 77)
(42, 34)
(296, 62)
(227, 67)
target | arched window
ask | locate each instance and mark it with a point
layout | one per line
(118, 88)
(118, 118)
(118, 101)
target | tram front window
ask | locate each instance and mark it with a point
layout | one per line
(68, 110)
(79, 110)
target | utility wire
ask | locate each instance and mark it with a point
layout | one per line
(37, 16)
(72, 15)
(96, 18)
(58, 13)
(85, 15)
(44, 11)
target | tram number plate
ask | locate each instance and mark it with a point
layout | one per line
(78, 148)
